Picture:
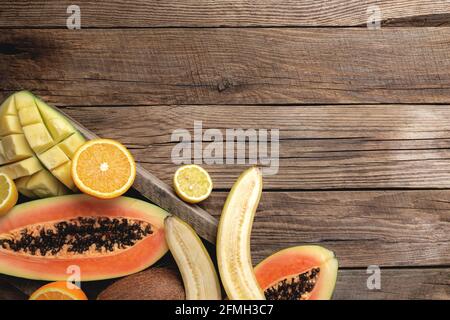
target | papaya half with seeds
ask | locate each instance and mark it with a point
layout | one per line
(298, 273)
(106, 239)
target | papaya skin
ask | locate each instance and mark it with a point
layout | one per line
(290, 262)
(134, 259)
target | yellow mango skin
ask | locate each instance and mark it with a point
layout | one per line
(53, 158)
(22, 168)
(15, 147)
(38, 137)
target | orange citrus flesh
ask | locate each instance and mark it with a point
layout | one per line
(103, 168)
(58, 291)
(192, 183)
(8, 194)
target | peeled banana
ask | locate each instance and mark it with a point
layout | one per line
(197, 269)
(233, 238)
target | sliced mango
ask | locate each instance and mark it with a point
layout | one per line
(64, 174)
(53, 158)
(15, 147)
(60, 128)
(44, 185)
(38, 137)
(71, 144)
(8, 108)
(63, 190)
(23, 99)
(22, 168)
(33, 135)
(21, 185)
(3, 159)
(29, 115)
(9, 125)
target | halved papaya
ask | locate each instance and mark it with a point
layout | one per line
(104, 239)
(298, 273)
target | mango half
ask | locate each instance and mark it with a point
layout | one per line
(37, 145)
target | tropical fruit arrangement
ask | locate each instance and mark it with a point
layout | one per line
(37, 146)
(107, 235)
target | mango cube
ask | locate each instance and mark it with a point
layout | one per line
(9, 125)
(15, 147)
(60, 128)
(53, 158)
(21, 185)
(44, 184)
(22, 168)
(8, 108)
(3, 159)
(24, 99)
(71, 144)
(29, 115)
(38, 137)
(64, 174)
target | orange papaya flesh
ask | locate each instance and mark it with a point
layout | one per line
(298, 273)
(44, 239)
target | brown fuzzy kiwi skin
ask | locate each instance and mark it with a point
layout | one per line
(151, 284)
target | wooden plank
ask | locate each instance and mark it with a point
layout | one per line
(384, 228)
(228, 65)
(321, 147)
(161, 194)
(210, 13)
(420, 283)
(396, 284)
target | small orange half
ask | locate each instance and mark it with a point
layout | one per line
(58, 291)
(103, 168)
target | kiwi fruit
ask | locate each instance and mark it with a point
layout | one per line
(151, 284)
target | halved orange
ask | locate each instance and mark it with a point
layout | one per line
(60, 290)
(103, 168)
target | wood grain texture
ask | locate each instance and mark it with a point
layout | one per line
(210, 13)
(399, 284)
(384, 228)
(396, 284)
(228, 66)
(321, 147)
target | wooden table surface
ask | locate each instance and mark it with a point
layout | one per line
(364, 115)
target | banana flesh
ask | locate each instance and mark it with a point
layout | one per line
(233, 238)
(197, 269)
